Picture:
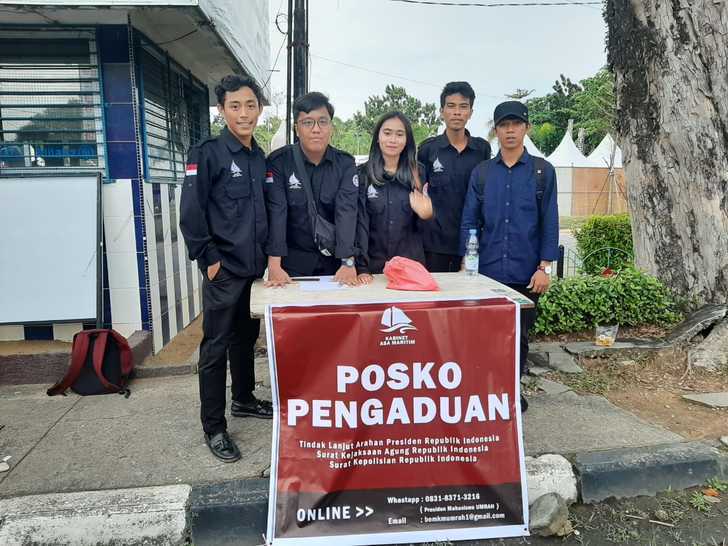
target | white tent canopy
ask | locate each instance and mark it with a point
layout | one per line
(567, 154)
(602, 154)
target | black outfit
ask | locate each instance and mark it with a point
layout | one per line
(223, 218)
(388, 226)
(335, 188)
(528, 319)
(448, 172)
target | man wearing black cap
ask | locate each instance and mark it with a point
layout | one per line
(511, 200)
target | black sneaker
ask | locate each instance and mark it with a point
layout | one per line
(253, 408)
(223, 447)
(524, 404)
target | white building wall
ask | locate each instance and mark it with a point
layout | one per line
(122, 257)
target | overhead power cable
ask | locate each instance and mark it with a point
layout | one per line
(389, 75)
(280, 48)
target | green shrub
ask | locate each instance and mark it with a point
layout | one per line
(630, 298)
(600, 232)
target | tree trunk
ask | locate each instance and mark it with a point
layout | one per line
(670, 59)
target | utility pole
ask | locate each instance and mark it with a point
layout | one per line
(300, 49)
(289, 69)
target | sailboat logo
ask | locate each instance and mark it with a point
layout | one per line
(394, 319)
(235, 170)
(294, 183)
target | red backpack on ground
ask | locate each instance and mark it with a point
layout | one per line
(101, 363)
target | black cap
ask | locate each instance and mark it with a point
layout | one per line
(510, 109)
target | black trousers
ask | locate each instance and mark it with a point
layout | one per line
(228, 332)
(442, 263)
(528, 319)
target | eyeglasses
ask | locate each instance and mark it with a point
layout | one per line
(308, 124)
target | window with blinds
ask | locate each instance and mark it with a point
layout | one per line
(50, 102)
(176, 113)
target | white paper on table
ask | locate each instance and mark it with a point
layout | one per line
(324, 284)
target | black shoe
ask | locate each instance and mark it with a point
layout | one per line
(254, 408)
(223, 447)
(524, 404)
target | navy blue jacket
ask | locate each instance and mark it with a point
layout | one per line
(514, 236)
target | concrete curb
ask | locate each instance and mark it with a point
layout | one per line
(235, 512)
(229, 513)
(225, 513)
(168, 370)
(148, 515)
(633, 472)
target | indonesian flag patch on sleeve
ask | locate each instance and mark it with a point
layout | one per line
(268, 177)
(191, 169)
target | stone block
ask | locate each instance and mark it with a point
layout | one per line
(563, 362)
(716, 400)
(550, 473)
(552, 387)
(712, 352)
(549, 516)
(632, 472)
(537, 371)
(536, 358)
(546, 346)
(623, 349)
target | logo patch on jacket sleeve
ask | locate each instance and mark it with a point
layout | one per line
(355, 180)
(191, 169)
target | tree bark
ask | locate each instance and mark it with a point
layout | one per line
(670, 59)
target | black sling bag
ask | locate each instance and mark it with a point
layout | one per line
(324, 232)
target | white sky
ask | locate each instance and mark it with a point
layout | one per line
(496, 49)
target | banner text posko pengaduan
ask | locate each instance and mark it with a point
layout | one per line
(415, 410)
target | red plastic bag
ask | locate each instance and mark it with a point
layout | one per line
(405, 274)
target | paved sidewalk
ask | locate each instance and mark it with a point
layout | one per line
(149, 450)
(154, 437)
(74, 443)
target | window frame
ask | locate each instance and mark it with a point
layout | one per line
(90, 85)
(167, 136)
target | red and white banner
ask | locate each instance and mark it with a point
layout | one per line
(396, 422)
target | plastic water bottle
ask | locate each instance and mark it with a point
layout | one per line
(471, 254)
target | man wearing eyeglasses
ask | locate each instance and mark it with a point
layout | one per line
(294, 247)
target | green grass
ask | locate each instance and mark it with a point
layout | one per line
(588, 382)
(698, 501)
(719, 485)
